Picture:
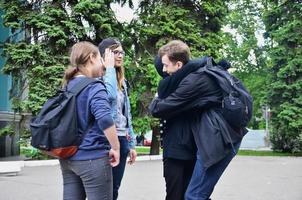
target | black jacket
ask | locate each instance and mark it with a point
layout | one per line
(199, 97)
(177, 136)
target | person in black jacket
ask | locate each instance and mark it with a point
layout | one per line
(191, 92)
(179, 149)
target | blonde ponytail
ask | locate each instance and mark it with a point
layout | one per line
(79, 56)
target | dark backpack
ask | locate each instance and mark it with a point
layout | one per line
(55, 130)
(237, 103)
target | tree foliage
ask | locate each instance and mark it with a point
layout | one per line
(247, 55)
(46, 31)
(161, 21)
(43, 32)
(283, 20)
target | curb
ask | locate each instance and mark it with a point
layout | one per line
(37, 163)
(10, 168)
(13, 167)
(257, 149)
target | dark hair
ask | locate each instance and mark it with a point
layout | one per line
(111, 43)
(176, 50)
(159, 67)
(79, 56)
(224, 64)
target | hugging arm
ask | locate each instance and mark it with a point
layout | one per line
(183, 99)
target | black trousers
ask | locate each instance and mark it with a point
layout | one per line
(177, 174)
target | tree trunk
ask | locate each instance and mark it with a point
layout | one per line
(154, 150)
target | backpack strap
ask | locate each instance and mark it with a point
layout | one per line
(210, 62)
(77, 88)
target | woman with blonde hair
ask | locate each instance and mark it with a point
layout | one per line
(88, 173)
(111, 49)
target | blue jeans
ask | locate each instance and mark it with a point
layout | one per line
(118, 171)
(204, 180)
(88, 178)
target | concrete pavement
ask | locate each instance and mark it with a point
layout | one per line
(247, 177)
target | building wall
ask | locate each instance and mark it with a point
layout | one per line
(5, 80)
(9, 145)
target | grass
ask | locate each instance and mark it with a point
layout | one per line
(266, 153)
(142, 150)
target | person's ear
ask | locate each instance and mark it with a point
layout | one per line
(179, 64)
(91, 57)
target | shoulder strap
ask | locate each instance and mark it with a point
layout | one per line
(222, 78)
(77, 88)
(210, 61)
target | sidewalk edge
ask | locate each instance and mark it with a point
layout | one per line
(38, 163)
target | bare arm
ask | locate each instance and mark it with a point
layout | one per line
(114, 152)
(111, 136)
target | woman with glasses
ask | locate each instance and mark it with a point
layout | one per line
(113, 57)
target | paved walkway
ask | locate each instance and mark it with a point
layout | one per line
(248, 178)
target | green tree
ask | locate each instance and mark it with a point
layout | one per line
(49, 29)
(198, 23)
(283, 20)
(243, 50)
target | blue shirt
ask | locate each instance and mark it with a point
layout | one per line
(93, 104)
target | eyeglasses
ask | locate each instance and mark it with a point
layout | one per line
(119, 53)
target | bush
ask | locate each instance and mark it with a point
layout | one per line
(286, 141)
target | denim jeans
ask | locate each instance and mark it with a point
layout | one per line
(204, 180)
(88, 178)
(118, 171)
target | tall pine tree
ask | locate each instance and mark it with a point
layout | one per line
(283, 20)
